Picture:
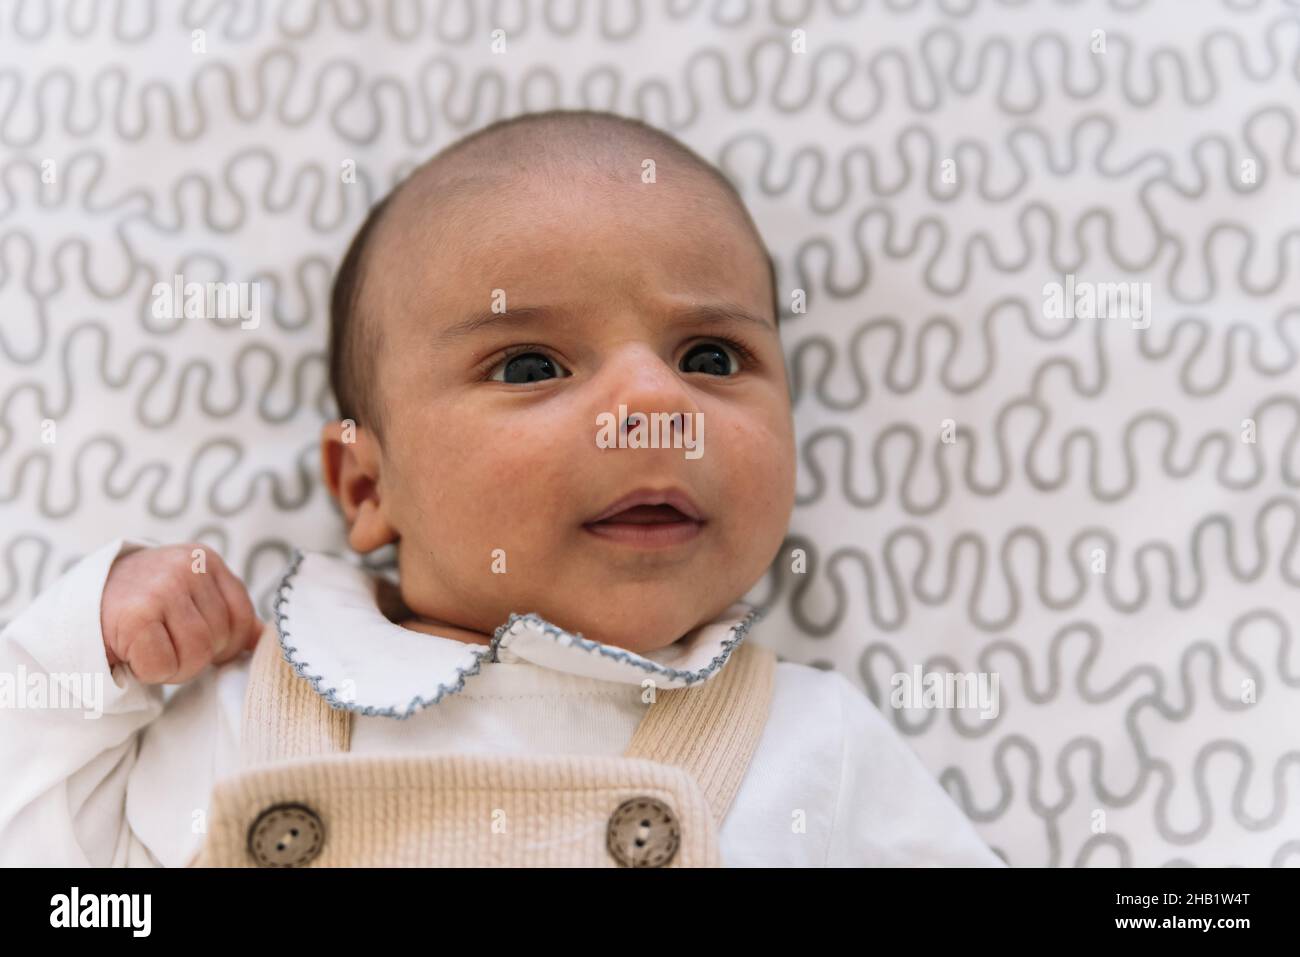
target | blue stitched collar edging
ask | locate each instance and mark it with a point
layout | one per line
(499, 640)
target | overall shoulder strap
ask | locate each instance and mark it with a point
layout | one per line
(283, 716)
(712, 729)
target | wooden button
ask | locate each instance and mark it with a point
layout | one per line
(286, 835)
(643, 832)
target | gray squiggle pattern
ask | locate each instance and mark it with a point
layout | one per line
(920, 172)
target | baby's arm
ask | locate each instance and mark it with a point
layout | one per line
(69, 732)
(891, 811)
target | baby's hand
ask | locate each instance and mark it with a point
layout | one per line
(167, 620)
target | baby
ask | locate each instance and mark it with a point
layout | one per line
(563, 400)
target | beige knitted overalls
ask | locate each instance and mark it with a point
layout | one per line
(301, 799)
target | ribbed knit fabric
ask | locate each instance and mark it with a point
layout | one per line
(690, 751)
(283, 716)
(711, 730)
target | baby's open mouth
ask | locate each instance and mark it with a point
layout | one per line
(648, 515)
(649, 518)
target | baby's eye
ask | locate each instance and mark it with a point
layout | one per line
(711, 358)
(526, 367)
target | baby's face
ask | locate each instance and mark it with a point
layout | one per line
(494, 461)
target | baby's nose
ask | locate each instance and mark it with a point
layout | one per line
(647, 383)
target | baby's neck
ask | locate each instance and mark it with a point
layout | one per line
(390, 602)
(443, 630)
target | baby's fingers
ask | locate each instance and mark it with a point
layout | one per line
(245, 626)
(192, 637)
(211, 604)
(150, 653)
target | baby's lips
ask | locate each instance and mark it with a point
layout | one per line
(678, 498)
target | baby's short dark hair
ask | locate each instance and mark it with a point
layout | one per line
(354, 340)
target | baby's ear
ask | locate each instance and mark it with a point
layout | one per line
(336, 439)
(350, 463)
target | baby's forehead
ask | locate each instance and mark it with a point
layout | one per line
(440, 203)
(487, 214)
(486, 227)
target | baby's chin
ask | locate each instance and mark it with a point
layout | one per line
(647, 606)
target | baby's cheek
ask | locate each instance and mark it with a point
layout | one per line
(756, 472)
(757, 458)
(506, 496)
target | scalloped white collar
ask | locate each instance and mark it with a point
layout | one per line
(333, 632)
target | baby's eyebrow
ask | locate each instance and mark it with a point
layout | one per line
(721, 312)
(509, 318)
